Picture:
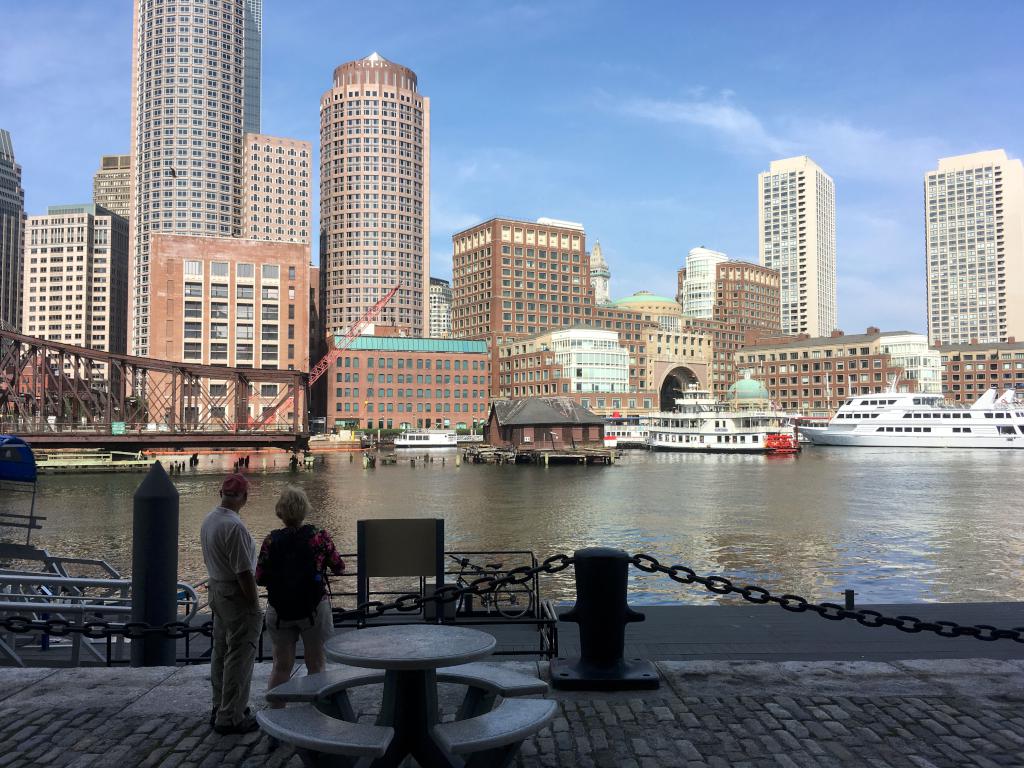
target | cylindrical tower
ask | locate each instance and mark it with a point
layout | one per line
(188, 74)
(375, 195)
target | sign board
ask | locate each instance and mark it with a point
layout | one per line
(117, 427)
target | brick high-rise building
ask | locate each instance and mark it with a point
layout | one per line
(375, 195)
(112, 185)
(969, 370)
(277, 196)
(796, 216)
(186, 153)
(12, 223)
(974, 246)
(76, 277)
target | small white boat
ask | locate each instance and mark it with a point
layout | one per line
(427, 438)
(914, 420)
(626, 435)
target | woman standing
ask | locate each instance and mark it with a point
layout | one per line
(292, 565)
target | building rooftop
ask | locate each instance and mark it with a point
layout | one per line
(642, 297)
(853, 338)
(415, 344)
(542, 410)
(981, 345)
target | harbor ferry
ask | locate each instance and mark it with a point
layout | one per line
(625, 432)
(427, 438)
(914, 420)
(746, 423)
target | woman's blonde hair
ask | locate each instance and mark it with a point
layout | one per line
(293, 506)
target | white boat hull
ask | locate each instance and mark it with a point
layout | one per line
(711, 445)
(824, 436)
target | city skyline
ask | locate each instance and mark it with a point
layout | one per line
(701, 132)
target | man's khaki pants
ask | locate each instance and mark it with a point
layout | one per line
(236, 629)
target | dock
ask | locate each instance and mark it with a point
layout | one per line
(488, 454)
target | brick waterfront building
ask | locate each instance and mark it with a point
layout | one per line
(813, 376)
(396, 382)
(968, 370)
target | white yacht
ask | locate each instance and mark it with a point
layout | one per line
(748, 424)
(427, 438)
(624, 435)
(914, 420)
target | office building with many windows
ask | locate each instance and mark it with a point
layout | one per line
(12, 223)
(76, 277)
(375, 195)
(112, 185)
(796, 215)
(188, 120)
(277, 191)
(974, 244)
(440, 308)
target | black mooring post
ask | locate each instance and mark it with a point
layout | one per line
(602, 614)
(155, 566)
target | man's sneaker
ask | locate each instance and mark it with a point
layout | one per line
(247, 725)
(213, 715)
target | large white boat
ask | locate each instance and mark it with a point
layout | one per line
(914, 420)
(702, 423)
(427, 438)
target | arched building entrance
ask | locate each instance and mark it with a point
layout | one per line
(676, 381)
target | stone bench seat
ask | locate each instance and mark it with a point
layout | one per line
(487, 681)
(307, 728)
(310, 688)
(492, 739)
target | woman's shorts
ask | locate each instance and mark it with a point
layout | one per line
(312, 630)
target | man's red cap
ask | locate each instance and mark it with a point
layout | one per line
(234, 485)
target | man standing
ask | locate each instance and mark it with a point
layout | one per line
(230, 555)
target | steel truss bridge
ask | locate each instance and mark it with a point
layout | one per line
(57, 395)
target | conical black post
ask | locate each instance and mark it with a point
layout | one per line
(155, 566)
(602, 614)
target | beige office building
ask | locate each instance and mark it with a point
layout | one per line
(796, 216)
(76, 277)
(277, 192)
(974, 243)
(112, 185)
(375, 195)
(188, 74)
(12, 227)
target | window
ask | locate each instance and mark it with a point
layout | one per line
(243, 351)
(193, 289)
(244, 292)
(219, 290)
(219, 310)
(193, 309)
(243, 311)
(291, 273)
(243, 331)
(193, 331)
(268, 390)
(219, 331)
(193, 268)
(269, 333)
(271, 272)
(218, 351)
(193, 350)
(269, 312)
(245, 271)
(219, 269)
(269, 294)
(269, 351)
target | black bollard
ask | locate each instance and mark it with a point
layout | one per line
(155, 566)
(602, 614)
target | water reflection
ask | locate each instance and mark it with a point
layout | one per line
(896, 527)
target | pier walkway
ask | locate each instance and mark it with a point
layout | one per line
(707, 714)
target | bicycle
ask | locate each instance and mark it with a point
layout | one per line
(511, 600)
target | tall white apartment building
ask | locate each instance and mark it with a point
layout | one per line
(12, 223)
(974, 244)
(699, 286)
(440, 325)
(796, 216)
(277, 193)
(190, 70)
(76, 277)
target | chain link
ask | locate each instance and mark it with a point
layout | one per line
(720, 585)
(176, 630)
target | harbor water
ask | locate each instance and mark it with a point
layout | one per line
(896, 526)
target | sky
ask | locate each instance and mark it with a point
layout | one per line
(647, 122)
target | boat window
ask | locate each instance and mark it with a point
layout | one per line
(926, 429)
(1006, 430)
(917, 401)
(874, 415)
(988, 415)
(967, 429)
(890, 402)
(956, 429)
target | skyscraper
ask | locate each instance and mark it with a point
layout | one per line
(112, 185)
(375, 195)
(84, 303)
(440, 308)
(974, 249)
(12, 224)
(796, 215)
(253, 55)
(186, 153)
(277, 190)
(697, 282)
(600, 276)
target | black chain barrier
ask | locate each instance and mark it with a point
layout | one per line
(176, 630)
(720, 585)
(412, 602)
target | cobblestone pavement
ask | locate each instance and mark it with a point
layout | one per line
(742, 714)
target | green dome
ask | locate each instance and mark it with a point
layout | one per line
(748, 389)
(644, 298)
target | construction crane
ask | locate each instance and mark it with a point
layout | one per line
(340, 345)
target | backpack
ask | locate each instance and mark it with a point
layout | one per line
(294, 588)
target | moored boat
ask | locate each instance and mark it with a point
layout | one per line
(914, 420)
(427, 438)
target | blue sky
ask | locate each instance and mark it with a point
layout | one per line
(646, 122)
